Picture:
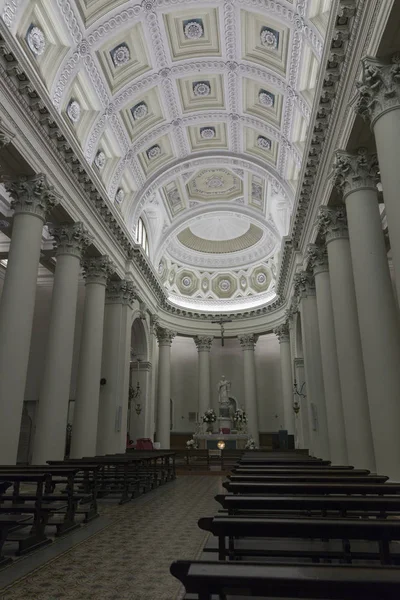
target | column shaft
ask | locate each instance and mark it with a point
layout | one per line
(319, 440)
(84, 429)
(330, 366)
(248, 343)
(282, 333)
(351, 368)
(203, 344)
(379, 326)
(163, 430)
(51, 420)
(32, 201)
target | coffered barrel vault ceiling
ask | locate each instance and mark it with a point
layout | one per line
(193, 115)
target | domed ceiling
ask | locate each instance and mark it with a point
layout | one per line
(193, 115)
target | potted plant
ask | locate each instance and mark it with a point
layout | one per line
(209, 418)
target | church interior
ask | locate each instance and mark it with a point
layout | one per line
(199, 299)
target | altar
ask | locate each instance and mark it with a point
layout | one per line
(233, 441)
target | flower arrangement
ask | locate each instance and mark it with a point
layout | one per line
(191, 444)
(240, 416)
(250, 444)
(209, 416)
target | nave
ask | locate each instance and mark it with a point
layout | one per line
(129, 556)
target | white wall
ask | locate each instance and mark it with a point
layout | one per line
(226, 361)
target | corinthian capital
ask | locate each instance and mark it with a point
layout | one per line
(353, 172)
(97, 270)
(248, 341)
(120, 292)
(317, 258)
(203, 342)
(32, 195)
(71, 238)
(282, 332)
(332, 222)
(379, 89)
(164, 336)
(304, 284)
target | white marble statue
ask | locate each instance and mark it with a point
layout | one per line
(224, 387)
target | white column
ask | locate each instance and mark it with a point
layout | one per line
(248, 343)
(203, 345)
(333, 225)
(379, 104)
(52, 412)
(115, 367)
(164, 337)
(356, 176)
(305, 289)
(84, 428)
(318, 260)
(302, 417)
(282, 333)
(33, 199)
(137, 421)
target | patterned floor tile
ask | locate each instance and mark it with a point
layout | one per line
(129, 559)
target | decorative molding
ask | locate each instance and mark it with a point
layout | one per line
(248, 341)
(164, 336)
(72, 239)
(379, 88)
(203, 342)
(6, 135)
(353, 172)
(332, 223)
(282, 332)
(97, 270)
(32, 195)
(304, 284)
(317, 257)
(121, 292)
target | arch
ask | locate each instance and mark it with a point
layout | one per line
(139, 338)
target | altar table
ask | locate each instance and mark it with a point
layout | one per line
(233, 441)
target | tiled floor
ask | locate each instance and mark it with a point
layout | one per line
(129, 559)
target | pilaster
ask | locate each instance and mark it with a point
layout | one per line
(282, 332)
(120, 292)
(304, 284)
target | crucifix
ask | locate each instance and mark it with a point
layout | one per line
(221, 323)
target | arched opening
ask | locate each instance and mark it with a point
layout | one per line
(138, 406)
(141, 236)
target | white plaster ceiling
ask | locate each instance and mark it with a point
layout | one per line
(187, 108)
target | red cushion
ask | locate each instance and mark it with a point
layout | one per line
(144, 444)
(225, 430)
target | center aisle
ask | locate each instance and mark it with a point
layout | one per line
(130, 558)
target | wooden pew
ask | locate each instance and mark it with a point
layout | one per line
(312, 489)
(257, 460)
(362, 505)
(274, 470)
(211, 581)
(381, 531)
(38, 508)
(238, 478)
(9, 524)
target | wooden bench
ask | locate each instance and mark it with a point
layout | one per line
(313, 489)
(282, 461)
(9, 524)
(307, 478)
(213, 581)
(274, 470)
(381, 531)
(362, 505)
(39, 509)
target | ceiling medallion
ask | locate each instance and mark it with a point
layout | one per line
(207, 133)
(139, 111)
(269, 38)
(214, 182)
(120, 55)
(266, 99)
(193, 30)
(224, 285)
(201, 88)
(100, 159)
(186, 282)
(74, 111)
(261, 278)
(36, 40)
(263, 143)
(119, 196)
(153, 152)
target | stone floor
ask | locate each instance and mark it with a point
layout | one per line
(129, 558)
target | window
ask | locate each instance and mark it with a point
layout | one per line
(141, 236)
